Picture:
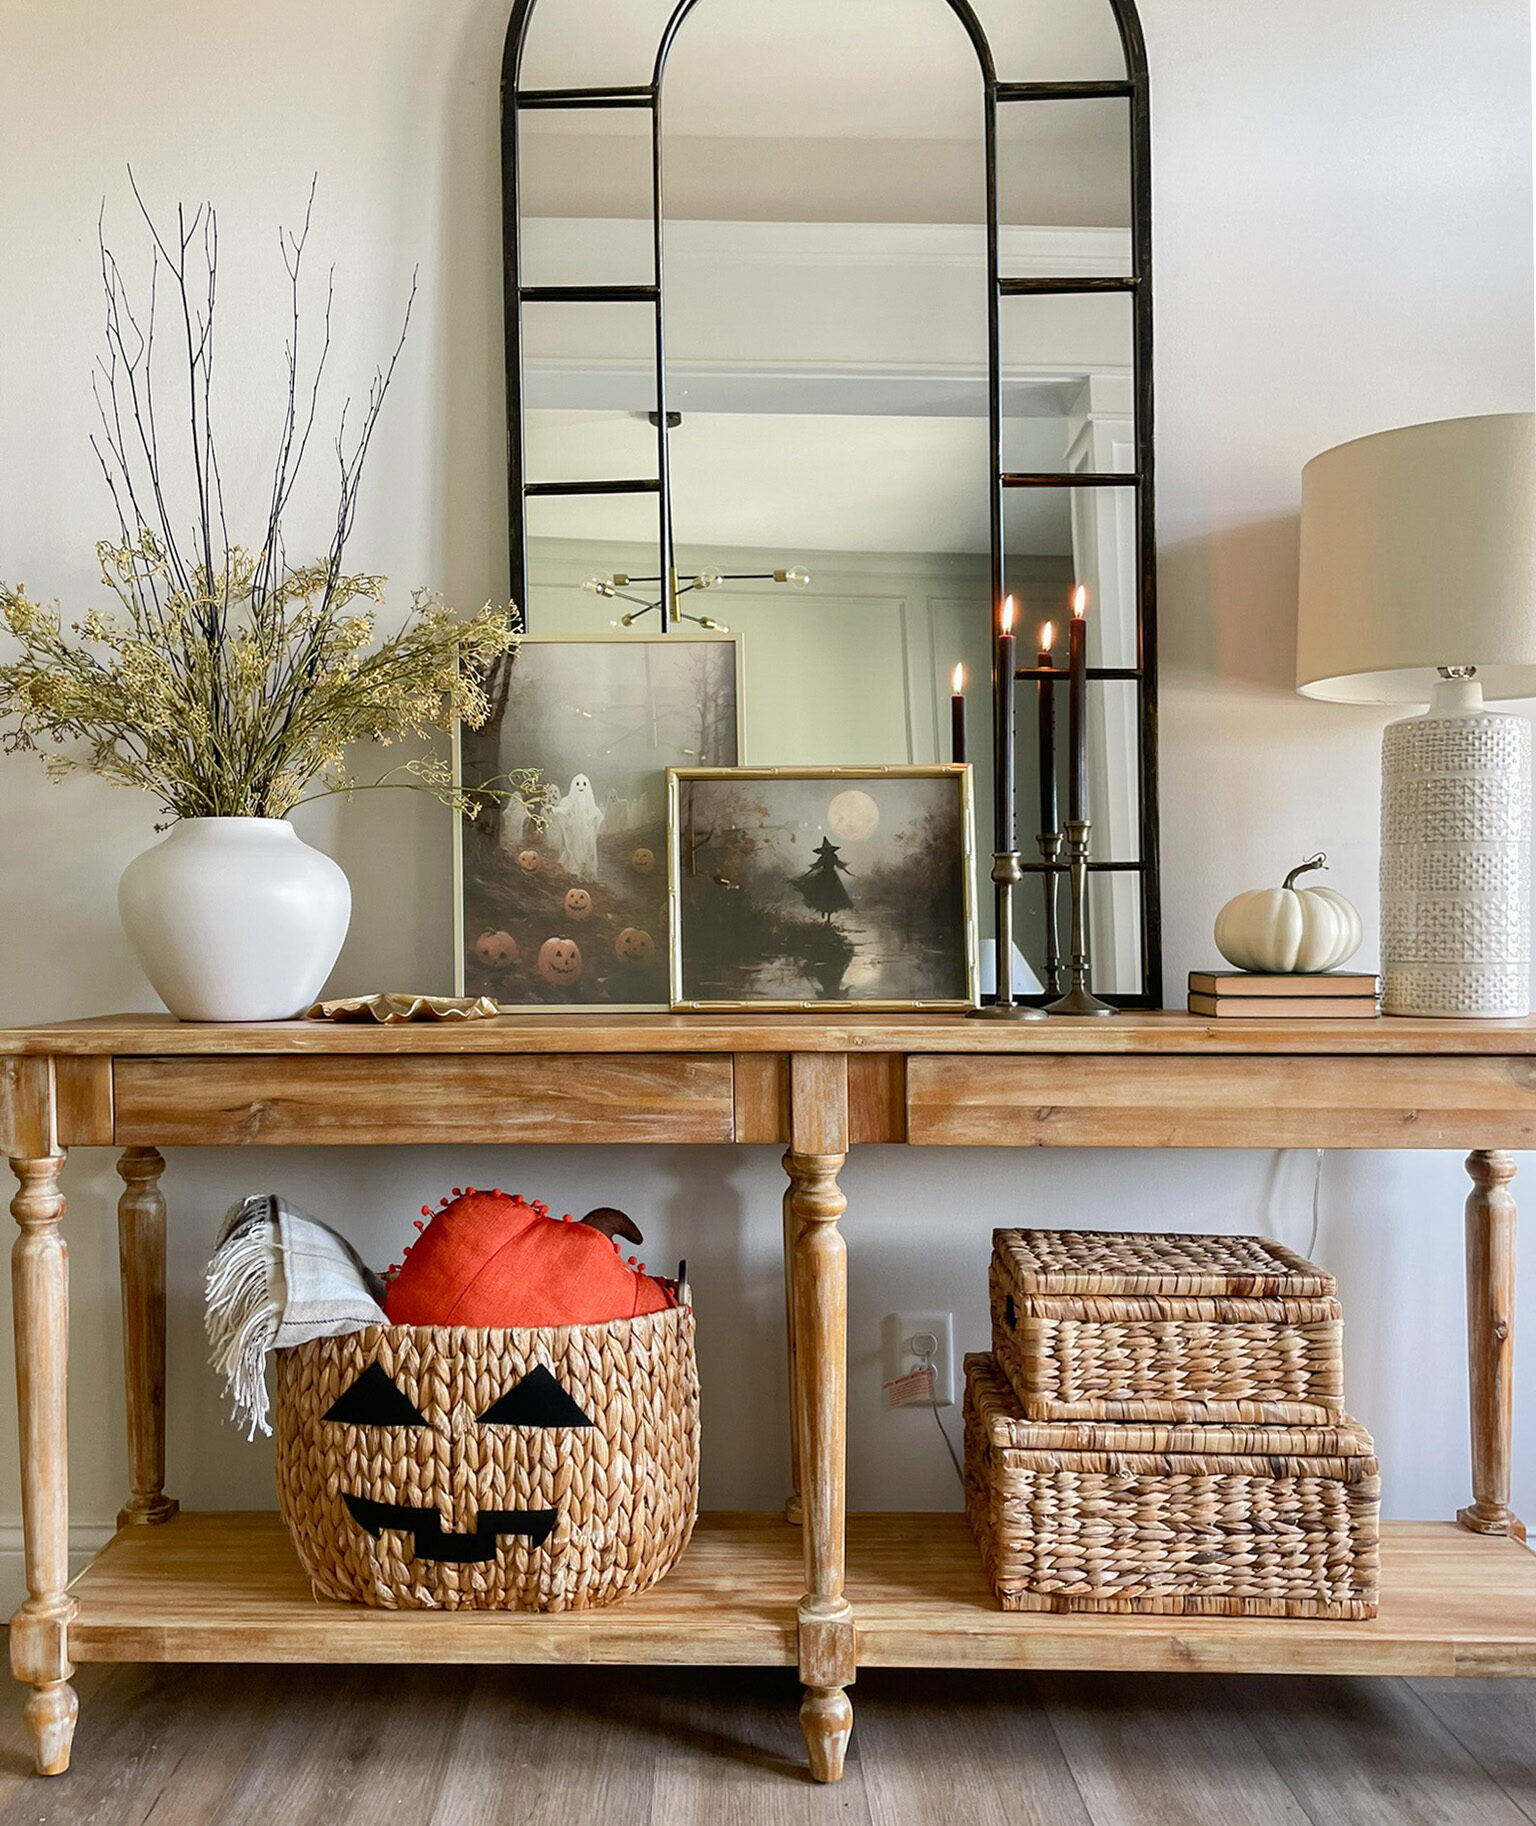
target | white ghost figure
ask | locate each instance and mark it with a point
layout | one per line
(577, 820)
(516, 821)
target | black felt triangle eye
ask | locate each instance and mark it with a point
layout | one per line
(373, 1401)
(537, 1401)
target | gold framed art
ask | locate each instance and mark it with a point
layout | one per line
(821, 888)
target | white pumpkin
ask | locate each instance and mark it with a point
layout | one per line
(1289, 931)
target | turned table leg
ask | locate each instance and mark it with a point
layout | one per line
(792, 1507)
(141, 1254)
(1491, 1340)
(40, 1300)
(821, 1321)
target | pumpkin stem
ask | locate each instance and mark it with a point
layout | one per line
(613, 1223)
(1319, 861)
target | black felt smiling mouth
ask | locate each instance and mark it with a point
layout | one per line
(425, 1526)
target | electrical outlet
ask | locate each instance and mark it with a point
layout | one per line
(906, 1337)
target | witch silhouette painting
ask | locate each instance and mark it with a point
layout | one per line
(828, 887)
(819, 886)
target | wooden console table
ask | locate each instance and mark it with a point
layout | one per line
(874, 1590)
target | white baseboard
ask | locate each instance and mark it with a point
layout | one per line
(85, 1539)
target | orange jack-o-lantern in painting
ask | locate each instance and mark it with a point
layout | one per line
(643, 861)
(560, 961)
(528, 861)
(496, 948)
(445, 1467)
(578, 903)
(634, 946)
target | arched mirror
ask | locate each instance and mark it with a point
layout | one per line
(829, 326)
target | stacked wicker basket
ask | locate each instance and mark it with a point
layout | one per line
(1160, 1427)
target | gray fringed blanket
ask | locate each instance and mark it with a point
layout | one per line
(279, 1278)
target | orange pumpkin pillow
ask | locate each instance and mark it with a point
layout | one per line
(490, 1259)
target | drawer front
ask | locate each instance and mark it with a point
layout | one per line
(1163, 1101)
(522, 1098)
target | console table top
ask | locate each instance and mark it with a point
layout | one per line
(557, 1031)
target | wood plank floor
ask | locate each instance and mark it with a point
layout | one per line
(544, 1746)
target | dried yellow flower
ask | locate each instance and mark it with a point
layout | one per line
(226, 703)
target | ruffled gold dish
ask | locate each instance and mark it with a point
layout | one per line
(392, 1010)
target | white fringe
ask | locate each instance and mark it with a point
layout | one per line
(246, 1296)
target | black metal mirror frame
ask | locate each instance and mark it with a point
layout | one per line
(515, 101)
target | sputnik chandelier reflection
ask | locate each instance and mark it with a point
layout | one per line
(620, 587)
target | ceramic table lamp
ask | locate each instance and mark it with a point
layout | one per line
(1418, 586)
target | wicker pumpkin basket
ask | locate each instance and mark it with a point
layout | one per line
(1169, 1520)
(1091, 1325)
(543, 1469)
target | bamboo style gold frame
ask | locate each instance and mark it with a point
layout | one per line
(961, 774)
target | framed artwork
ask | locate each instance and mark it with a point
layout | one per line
(562, 895)
(833, 887)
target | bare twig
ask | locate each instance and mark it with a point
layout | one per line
(235, 677)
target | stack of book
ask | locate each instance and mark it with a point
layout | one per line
(1337, 995)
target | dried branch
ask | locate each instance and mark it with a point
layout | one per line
(229, 681)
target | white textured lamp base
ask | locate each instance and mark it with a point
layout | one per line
(1455, 865)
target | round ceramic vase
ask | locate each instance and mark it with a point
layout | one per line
(235, 919)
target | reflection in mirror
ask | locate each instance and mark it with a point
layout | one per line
(1065, 165)
(826, 332)
(567, 175)
(592, 44)
(1052, 40)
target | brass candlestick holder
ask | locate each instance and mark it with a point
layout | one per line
(1050, 855)
(1007, 873)
(1079, 999)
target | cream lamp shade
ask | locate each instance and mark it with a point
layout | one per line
(1418, 551)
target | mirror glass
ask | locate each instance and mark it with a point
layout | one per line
(826, 335)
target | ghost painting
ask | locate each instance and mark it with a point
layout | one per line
(573, 870)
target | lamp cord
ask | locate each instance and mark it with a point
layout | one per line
(925, 1363)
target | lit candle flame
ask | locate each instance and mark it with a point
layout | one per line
(1047, 636)
(1007, 614)
(957, 680)
(1079, 602)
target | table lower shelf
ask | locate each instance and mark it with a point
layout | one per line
(228, 1587)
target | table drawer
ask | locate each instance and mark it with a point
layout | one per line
(1240, 1101)
(526, 1097)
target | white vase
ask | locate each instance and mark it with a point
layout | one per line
(235, 919)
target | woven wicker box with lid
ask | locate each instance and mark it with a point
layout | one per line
(1203, 1520)
(1099, 1326)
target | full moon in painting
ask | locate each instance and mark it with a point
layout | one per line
(853, 816)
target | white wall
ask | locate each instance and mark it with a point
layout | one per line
(1343, 244)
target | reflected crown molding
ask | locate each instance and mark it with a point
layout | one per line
(872, 389)
(588, 250)
(891, 332)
